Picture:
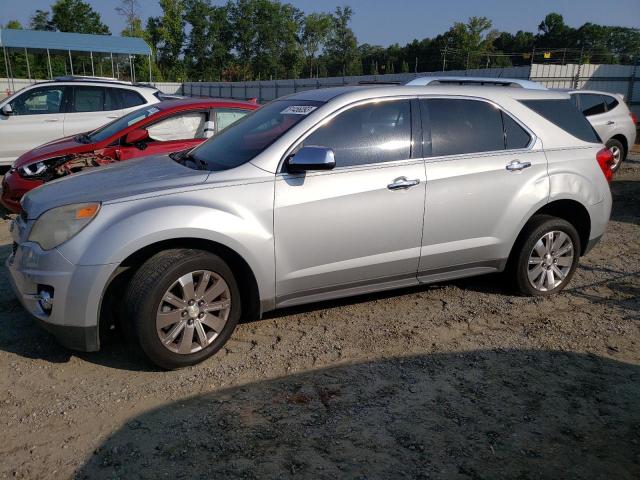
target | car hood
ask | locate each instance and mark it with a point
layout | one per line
(62, 146)
(111, 182)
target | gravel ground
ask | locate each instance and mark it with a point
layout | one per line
(454, 380)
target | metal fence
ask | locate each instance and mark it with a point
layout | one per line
(623, 79)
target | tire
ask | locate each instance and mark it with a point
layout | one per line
(618, 151)
(202, 322)
(533, 279)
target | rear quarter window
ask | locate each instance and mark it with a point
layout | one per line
(565, 115)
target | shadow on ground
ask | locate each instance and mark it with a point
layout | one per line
(483, 414)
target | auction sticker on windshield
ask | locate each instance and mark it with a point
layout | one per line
(298, 110)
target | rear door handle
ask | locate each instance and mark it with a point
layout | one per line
(517, 165)
(113, 116)
(402, 183)
(51, 120)
(611, 122)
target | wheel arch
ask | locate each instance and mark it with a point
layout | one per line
(114, 290)
(623, 140)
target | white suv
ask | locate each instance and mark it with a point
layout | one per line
(65, 106)
(611, 118)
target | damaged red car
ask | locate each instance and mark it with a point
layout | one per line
(165, 127)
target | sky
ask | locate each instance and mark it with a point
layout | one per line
(384, 22)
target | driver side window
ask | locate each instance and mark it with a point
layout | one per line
(39, 101)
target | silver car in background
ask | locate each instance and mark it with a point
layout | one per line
(318, 195)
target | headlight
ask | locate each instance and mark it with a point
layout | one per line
(34, 169)
(60, 224)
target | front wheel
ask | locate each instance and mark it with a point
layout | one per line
(546, 256)
(183, 306)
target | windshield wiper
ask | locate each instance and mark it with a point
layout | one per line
(184, 156)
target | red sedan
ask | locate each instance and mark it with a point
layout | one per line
(161, 128)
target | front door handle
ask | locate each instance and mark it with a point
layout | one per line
(113, 116)
(51, 120)
(402, 183)
(517, 165)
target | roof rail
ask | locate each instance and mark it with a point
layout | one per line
(83, 78)
(475, 81)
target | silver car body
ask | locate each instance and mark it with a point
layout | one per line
(316, 236)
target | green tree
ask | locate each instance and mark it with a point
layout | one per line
(315, 32)
(342, 46)
(13, 24)
(470, 42)
(41, 20)
(167, 35)
(77, 16)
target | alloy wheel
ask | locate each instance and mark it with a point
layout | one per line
(550, 260)
(193, 312)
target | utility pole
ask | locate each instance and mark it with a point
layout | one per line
(444, 60)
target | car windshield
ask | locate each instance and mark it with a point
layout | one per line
(245, 139)
(121, 123)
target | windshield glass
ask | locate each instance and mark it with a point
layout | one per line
(245, 139)
(121, 123)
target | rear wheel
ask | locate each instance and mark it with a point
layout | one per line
(546, 256)
(619, 154)
(183, 306)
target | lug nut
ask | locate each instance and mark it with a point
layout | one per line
(201, 303)
(201, 315)
(191, 302)
(184, 313)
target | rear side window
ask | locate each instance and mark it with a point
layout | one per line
(515, 136)
(591, 104)
(610, 101)
(88, 99)
(565, 115)
(371, 133)
(130, 98)
(464, 126)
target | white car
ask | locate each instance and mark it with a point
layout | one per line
(611, 118)
(62, 107)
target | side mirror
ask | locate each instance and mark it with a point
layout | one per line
(136, 136)
(7, 110)
(311, 158)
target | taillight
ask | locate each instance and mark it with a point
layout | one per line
(634, 118)
(605, 160)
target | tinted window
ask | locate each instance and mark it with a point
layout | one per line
(184, 126)
(565, 115)
(591, 104)
(38, 101)
(248, 137)
(88, 99)
(130, 98)
(610, 101)
(367, 134)
(514, 135)
(464, 126)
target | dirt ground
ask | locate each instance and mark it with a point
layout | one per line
(458, 380)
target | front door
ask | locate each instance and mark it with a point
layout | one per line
(359, 226)
(37, 118)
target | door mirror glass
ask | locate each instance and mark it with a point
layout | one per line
(7, 110)
(312, 158)
(136, 136)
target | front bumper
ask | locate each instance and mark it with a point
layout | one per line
(13, 189)
(77, 293)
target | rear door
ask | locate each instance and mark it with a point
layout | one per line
(90, 108)
(482, 180)
(354, 226)
(37, 118)
(176, 132)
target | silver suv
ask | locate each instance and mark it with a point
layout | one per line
(318, 195)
